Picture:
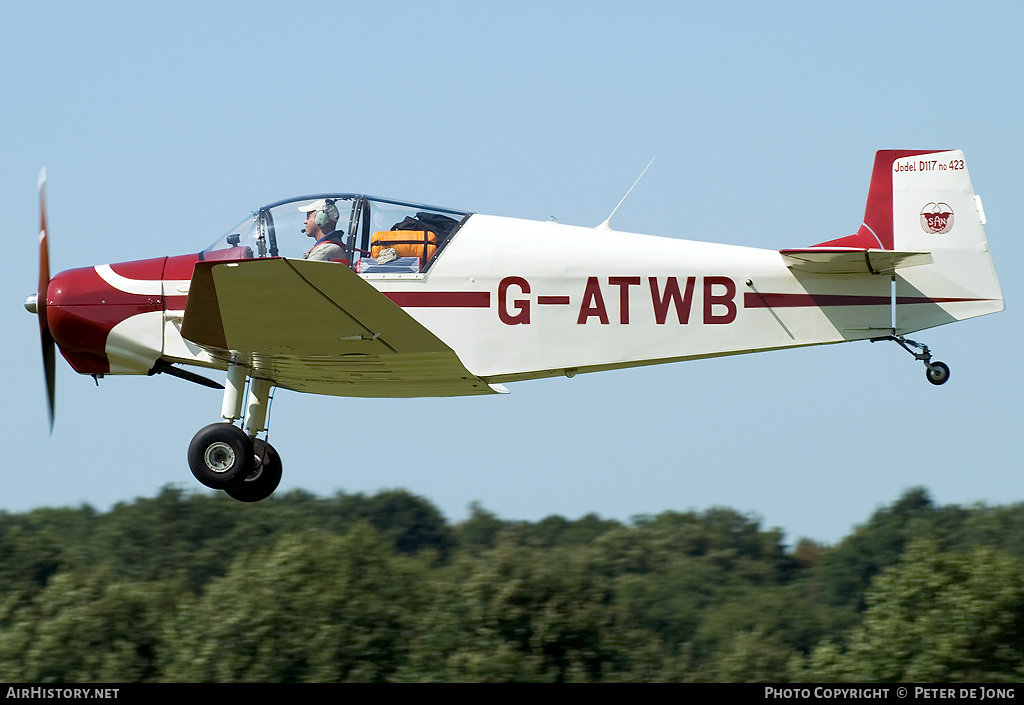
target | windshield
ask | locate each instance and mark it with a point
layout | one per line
(371, 235)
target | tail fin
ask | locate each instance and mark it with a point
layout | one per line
(924, 202)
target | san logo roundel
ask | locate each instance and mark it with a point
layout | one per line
(937, 218)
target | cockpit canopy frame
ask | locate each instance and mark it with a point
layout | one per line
(379, 235)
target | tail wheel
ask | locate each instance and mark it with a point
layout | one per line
(937, 372)
(221, 456)
(264, 479)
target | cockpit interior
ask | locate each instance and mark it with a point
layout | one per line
(378, 236)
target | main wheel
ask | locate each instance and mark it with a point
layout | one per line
(262, 481)
(221, 456)
(938, 373)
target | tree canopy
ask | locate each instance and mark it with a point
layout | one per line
(196, 587)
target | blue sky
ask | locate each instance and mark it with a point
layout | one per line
(161, 127)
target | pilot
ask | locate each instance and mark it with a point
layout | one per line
(321, 219)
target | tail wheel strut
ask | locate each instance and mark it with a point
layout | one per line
(936, 372)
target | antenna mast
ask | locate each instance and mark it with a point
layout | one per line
(607, 224)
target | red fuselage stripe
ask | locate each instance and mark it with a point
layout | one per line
(759, 300)
(440, 299)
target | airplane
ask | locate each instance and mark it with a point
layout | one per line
(420, 301)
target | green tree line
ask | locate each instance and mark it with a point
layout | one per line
(199, 588)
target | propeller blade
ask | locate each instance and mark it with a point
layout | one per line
(45, 338)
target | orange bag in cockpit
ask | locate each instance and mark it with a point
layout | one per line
(407, 243)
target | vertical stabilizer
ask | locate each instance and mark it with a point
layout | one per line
(935, 209)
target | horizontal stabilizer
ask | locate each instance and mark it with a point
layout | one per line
(852, 260)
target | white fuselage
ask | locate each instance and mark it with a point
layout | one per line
(554, 298)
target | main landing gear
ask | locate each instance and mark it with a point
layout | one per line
(223, 456)
(936, 372)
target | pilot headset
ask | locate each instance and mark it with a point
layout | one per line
(323, 216)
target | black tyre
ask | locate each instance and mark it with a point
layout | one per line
(938, 373)
(221, 456)
(264, 479)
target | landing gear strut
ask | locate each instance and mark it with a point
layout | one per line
(936, 372)
(223, 456)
